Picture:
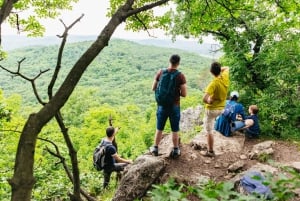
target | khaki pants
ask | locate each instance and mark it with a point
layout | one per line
(209, 119)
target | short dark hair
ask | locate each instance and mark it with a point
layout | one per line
(215, 68)
(175, 59)
(110, 131)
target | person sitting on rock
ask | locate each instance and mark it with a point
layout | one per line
(250, 124)
(223, 122)
(113, 162)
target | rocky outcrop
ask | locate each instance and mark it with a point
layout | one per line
(232, 161)
(235, 167)
(190, 118)
(264, 148)
(222, 144)
(295, 166)
(145, 170)
(139, 177)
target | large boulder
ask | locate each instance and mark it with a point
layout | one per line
(139, 177)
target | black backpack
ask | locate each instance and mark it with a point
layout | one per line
(166, 88)
(99, 155)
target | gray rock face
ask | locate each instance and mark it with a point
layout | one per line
(261, 148)
(236, 166)
(296, 166)
(190, 118)
(138, 178)
(222, 144)
(146, 170)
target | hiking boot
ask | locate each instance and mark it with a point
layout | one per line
(175, 153)
(154, 150)
(209, 154)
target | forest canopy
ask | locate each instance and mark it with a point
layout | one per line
(117, 85)
(260, 41)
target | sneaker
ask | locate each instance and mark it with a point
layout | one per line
(154, 150)
(209, 154)
(175, 153)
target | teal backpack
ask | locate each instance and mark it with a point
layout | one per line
(166, 88)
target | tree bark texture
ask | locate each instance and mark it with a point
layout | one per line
(5, 10)
(23, 180)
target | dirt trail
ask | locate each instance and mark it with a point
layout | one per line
(185, 168)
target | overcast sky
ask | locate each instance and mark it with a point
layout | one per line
(92, 23)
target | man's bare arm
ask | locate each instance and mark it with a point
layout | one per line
(224, 68)
(249, 123)
(154, 85)
(183, 90)
(120, 160)
(207, 98)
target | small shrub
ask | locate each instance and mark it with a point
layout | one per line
(263, 157)
(169, 191)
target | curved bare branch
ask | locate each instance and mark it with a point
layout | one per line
(23, 179)
(59, 56)
(66, 168)
(31, 80)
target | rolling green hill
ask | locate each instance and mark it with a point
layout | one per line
(121, 74)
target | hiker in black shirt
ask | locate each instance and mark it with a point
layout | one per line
(113, 162)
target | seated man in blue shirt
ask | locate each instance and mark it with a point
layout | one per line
(223, 122)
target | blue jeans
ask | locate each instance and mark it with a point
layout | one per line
(237, 125)
(163, 113)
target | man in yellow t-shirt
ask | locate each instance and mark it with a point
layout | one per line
(215, 100)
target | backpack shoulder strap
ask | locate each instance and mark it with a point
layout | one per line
(104, 143)
(174, 73)
(163, 71)
(177, 72)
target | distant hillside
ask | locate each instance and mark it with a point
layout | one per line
(205, 49)
(121, 74)
(15, 42)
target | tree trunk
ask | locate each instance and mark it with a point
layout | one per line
(5, 10)
(23, 180)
